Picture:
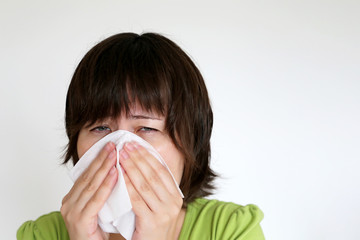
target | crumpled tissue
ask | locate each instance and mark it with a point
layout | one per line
(116, 216)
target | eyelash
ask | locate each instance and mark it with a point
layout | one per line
(100, 128)
(105, 128)
(148, 129)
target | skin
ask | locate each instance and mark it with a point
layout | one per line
(156, 202)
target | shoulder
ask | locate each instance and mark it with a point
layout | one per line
(48, 226)
(222, 220)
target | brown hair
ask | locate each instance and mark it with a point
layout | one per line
(154, 71)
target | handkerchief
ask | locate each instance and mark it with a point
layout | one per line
(116, 216)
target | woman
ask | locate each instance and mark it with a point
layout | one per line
(147, 85)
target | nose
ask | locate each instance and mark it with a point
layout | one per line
(124, 123)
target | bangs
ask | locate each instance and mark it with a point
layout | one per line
(122, 74)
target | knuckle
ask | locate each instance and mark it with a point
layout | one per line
(63, 210)
(144, 187)
(136, 198)
(153, 178)
(95, 200)
(66, 214)
(91, 187)
(86, 177)
(64, 200)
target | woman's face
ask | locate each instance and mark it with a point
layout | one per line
(147, 125)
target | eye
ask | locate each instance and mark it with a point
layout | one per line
(147, 129)
(100, 129)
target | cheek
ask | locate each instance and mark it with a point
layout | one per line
(84, 143)
(173, 158)
(81, 149)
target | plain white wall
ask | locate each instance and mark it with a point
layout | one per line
(283, 76)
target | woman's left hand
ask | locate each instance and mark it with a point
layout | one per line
(154, 196)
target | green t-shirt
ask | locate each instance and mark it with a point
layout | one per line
(204, 219)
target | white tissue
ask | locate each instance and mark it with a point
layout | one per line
(116, 216)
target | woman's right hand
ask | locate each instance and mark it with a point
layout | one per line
(80, 207)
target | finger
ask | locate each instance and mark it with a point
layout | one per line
(97, 201)
(143, 163)
(88, 174)
(137, 179)
(159, 170)
(140, 207)
(91, 188)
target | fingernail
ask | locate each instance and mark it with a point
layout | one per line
(135, 144)
(129, 146)
(124, 154)
(109, 146)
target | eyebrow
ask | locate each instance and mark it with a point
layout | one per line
(139, 116)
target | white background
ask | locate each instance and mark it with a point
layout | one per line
(284, 80)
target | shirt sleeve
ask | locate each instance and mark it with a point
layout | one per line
(241, 223)
(49, 226)
(217, 220)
